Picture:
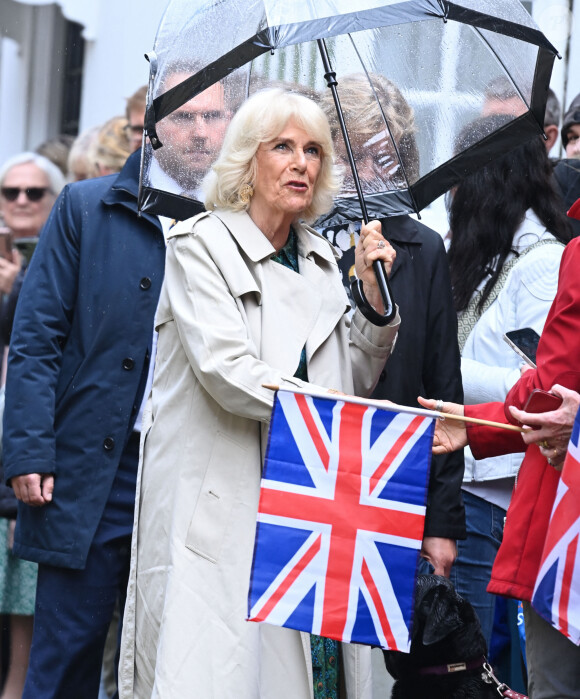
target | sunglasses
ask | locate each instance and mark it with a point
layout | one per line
(32, 193)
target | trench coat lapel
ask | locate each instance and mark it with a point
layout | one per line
(317, 291)
(319, 270)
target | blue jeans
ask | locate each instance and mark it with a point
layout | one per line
(471, 571)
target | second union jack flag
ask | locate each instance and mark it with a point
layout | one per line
(557, 591)
(340, 520)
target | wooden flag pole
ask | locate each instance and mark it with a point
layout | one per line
(402, 408)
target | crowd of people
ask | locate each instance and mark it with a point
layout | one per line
(136, 351)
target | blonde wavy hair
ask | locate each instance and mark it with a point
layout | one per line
(259, 120)
(111, 148)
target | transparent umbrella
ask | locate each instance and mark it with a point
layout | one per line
(406, 79)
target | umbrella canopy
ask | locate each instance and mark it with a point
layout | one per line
(412, 75)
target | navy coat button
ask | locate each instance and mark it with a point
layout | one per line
(145, 283)
(108, 443)
(128, 363)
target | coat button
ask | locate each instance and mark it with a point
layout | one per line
(128, 363)
(145, 283)
(108, 443)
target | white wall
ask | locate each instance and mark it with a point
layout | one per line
(118, 33)
(573, 77)
(560, 20)
(114, 64)
(30, 75)
(12, 99)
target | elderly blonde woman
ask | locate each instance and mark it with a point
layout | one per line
(251, 296)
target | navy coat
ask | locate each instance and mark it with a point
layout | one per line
(78, 359)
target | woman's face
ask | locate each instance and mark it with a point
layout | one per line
(24, 217)
(287, 170)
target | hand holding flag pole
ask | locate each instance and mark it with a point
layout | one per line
(427, 412)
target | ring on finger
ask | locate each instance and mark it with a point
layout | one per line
(439, 405)
(544, 443)
(381, 244)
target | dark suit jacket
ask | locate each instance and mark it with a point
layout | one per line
(426, 357)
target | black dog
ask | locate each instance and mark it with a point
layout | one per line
(447, 649)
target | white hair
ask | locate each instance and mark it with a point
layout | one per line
(55, 177)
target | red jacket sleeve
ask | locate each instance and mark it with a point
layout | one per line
(487, 441)
(557, 363)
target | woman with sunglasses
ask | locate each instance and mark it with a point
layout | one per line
(29, 184)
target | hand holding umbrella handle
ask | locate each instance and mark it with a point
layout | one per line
(385, 289)
(363, 304)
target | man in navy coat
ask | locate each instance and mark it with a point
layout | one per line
(79, 359)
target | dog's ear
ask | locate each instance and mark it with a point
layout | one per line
(440, 610)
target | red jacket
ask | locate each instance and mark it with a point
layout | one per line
(558, 362)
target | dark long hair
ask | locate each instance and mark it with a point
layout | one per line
(488, 207)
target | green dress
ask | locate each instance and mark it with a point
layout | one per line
(325, 651)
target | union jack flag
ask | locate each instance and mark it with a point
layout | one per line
(340, 519)
(557, 591)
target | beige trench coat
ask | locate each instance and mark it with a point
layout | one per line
(229, 320)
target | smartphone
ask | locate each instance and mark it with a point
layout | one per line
(541, 401)
(26, 247)
(525, 343)
(6, 243)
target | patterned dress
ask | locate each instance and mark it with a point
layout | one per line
(17, 578)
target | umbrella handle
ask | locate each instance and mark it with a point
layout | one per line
(385, 291)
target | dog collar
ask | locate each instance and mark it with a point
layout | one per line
(453, 667)
(503, 689)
